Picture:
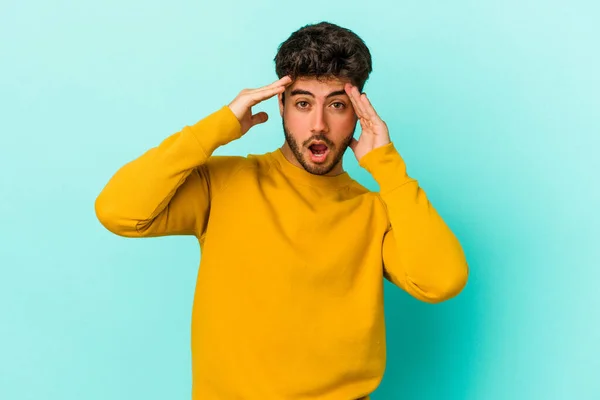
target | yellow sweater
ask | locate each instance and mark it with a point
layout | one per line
(289, 294)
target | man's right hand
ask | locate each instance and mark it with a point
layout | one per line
(242, 104)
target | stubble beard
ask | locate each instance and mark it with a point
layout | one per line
(318, 169)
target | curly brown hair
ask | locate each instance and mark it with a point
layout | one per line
(324, 50)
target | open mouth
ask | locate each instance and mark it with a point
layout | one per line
(318, 152)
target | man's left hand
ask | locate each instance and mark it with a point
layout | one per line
(374, 130)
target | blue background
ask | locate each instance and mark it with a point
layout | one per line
(494, 106)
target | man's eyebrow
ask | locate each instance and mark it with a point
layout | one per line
(306, 92)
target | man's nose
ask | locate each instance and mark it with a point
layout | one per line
(319, 123)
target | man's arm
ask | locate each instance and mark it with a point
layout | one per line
(420, 253)
(166, 191)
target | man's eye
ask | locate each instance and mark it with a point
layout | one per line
(341, 105)
(302, 104)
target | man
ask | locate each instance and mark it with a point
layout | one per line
(289, 294)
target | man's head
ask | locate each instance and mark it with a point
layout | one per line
(315, 108)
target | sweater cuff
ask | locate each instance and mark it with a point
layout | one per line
(217, 129)
(386, 166)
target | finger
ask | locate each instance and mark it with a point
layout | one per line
(257, 97)
(279, 87)
(358, 99)
(352, 92)
(353, 144)
(259, 118)
(368, 107)
(286, 80)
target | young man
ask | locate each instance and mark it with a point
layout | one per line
(289, 294)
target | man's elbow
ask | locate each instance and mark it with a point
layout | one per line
(454, 285)
(106, 215)
(447, 288)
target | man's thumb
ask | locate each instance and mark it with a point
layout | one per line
(353, 143)
(259, 118)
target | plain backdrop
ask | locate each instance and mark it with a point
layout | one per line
(494, 105)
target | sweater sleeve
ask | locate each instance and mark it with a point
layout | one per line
(420, 253)
(166, 191)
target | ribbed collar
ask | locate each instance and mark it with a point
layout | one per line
(300, 175)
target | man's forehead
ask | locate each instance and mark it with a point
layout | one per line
(320, 85)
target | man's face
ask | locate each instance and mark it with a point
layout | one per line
(319, 122)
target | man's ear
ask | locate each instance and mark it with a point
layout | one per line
(280, 98)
